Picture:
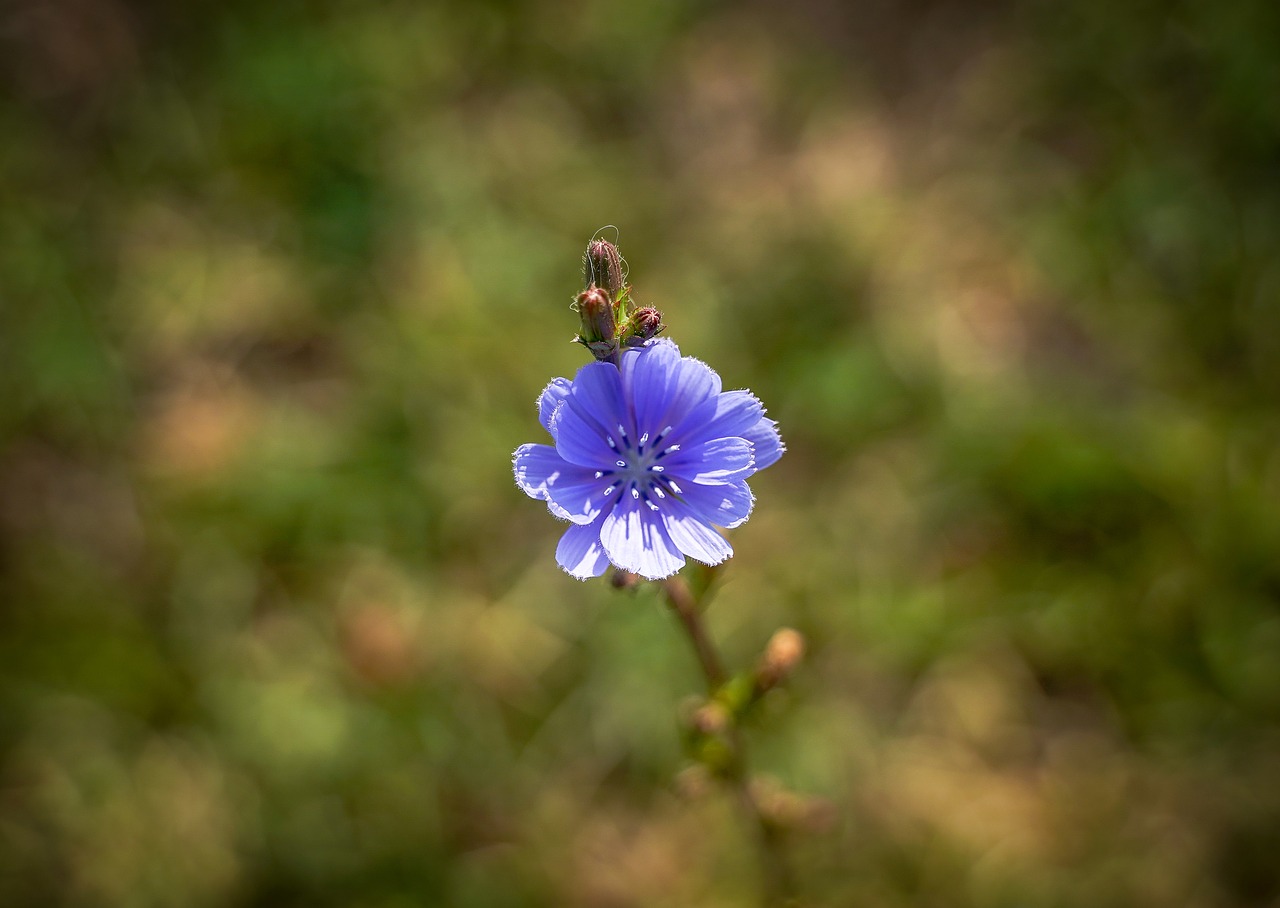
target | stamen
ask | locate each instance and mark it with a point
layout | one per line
(657, 491)
(622, 433)
(609, 438)
(644, 439)
(652, 506)
(621, 463)
(609, 491)
(671, 449)
(657, 468)
(675, 488)
(635, 493)
(598, 474)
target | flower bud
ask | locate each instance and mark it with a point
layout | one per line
(648, 322)
(710, 719)
(624, 580)
(781, 655)
(599, 323)
(641, 325)
(602, 267)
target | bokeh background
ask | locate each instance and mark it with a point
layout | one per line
(279, 283)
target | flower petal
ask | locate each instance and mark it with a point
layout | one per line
(635, 540)
(644, 376)
(597, 398)
(580, 552)
(581, 441)
(766, 441)
(729, 414)
(714, 462)
(727, 505)
(693, 535)
(551, 397)
(664, 387)
(571, 492)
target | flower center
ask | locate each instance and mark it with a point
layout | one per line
(639, 470)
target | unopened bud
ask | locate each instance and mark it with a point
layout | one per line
(641, 325)
(596, 310)
(711, 719)
(648, 322)
(624, 580)
(602, 266)
(781, 655)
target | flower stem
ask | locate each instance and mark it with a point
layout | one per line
(779, 885)
(681, 600)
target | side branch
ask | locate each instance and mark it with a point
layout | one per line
(779, 885)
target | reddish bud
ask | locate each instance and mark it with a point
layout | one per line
(643, 324)
(648, 322)
(602, 267)
(599, 323)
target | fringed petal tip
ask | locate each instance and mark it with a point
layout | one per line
(580, 554)
(571, 492)
(552, 396)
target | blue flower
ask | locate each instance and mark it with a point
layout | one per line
(649, 458)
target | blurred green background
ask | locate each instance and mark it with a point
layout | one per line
(280, 282)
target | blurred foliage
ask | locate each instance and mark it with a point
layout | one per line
(280, 282)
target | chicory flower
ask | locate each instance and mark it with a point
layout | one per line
(650, 456)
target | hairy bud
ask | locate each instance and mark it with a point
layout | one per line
(599, 319)
(610, 321)
(602, 266)
(599, 316)
(641, 325)
(648, 322)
